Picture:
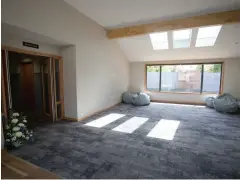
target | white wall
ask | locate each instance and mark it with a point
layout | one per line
(101, 69)
(102, 77)
(230, 84)
(69, 79)
(231, 77)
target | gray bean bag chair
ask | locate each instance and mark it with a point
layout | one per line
(226, 103)
(142, 99)
(127, 97)
(209, 101)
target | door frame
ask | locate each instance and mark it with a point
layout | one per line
(61, 100)
(3, 94)
(30, 52)
(50, 56)
(6, 89)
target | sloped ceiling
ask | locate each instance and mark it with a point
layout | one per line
(139, 48)
(120, 13)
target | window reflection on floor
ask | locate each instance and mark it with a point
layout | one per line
(131, 125)
(165, 129)
(105, 120)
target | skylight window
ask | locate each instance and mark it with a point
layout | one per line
(182, 38)
(159, 40)
(207, 36)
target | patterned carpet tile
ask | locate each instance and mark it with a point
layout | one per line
(206, 144)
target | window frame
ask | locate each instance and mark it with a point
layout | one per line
(202, 74)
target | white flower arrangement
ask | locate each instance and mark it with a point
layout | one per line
(16, 130)
(18, 134)
(14, 121)
(15, 114)
(21, 125)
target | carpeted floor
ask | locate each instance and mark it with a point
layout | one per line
(206, 145)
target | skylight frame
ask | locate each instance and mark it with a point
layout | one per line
(159, 40)
(207, 36)
(182, 38)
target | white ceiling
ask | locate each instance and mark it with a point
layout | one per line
(118, 13)
(139, 48)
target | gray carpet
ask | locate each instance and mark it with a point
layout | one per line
(206, 145)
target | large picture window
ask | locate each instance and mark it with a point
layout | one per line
(192, 78)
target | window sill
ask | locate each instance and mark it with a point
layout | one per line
(192, 93)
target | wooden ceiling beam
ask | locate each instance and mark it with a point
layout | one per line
(226, 17)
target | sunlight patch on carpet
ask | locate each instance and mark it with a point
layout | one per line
(165, 129)
(105, 120)
(131, 125)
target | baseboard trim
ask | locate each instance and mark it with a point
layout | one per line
(180, 102)
(69, 118)
(89, 115)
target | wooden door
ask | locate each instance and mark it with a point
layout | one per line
(27, 86)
